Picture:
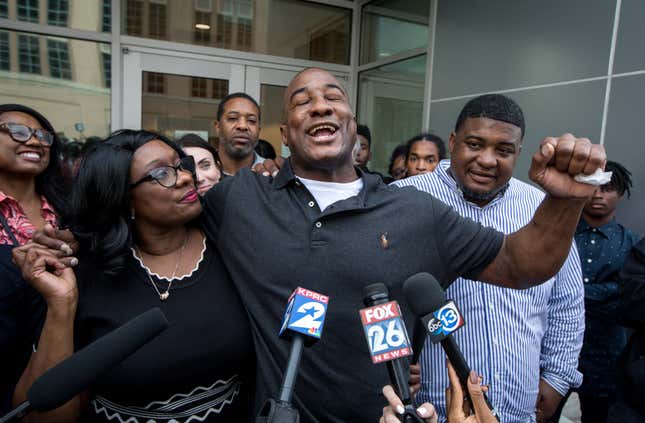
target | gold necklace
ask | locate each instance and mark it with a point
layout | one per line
(163, 296)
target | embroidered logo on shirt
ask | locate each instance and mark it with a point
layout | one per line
(385, 244)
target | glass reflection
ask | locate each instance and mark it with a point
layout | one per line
(391, 105)
(66, 80)
(286, 28)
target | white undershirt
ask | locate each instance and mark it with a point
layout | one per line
(327, 193)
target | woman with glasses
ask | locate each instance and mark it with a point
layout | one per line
(31, 183)
(31, 195)
(134, 210)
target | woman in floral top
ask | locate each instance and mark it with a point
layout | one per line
(31, 184)
(31, 195)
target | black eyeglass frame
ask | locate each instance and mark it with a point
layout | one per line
(44, 137)
(186, 163)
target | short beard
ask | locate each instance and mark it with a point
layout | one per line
(237, 153)
(481, 197)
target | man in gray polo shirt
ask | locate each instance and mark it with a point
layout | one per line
(323, 225)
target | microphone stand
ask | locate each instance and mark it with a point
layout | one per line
(17, 413)
(282, 411)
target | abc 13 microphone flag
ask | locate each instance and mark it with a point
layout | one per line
(443, 322)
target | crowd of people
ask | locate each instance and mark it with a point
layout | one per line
(218, 238)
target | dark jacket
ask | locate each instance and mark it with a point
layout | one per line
(631, 366)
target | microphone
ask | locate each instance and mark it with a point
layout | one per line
(418, 340)
(74, 374)
(388, 342)
(440, 318)
(302, 325)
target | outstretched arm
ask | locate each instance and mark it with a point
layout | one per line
(537, 251)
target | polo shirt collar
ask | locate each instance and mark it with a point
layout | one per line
(286, 176)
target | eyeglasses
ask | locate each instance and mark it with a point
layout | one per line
(166, 176)
(22, 133)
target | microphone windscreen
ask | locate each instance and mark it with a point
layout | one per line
(76, 373)
(424, 294)
(375, 292)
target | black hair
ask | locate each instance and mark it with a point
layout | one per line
(231, 96)
(50, 183)
(194, 140)
(621, 178)
(100, 210)
(72, 150)
(365, 131)
(426, 136)
(493, 106)
(89, 144)
(400, 150)
(265, 149)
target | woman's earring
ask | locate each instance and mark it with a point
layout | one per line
(132, 214)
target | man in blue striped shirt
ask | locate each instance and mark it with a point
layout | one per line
(525, 343)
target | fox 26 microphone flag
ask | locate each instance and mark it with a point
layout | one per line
(385, 332)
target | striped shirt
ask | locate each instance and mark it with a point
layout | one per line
(511, 337)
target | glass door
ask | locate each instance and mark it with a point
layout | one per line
(268, 86)
(176, 94)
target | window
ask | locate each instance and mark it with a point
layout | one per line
(156, 83)
(28, 10)
(284, 28)
(157, 20)
(225, 7)
(38, 62)
(328, 46)
(57, 12)
(202, 35)
(244, 34)
(59, 64)
(28, 53)
(4, 9)
(106, 23)
(107, 69)
(245, 9)
(220, 88)
(5, 56)
(134, 19)
(198, 87)
(224, 31)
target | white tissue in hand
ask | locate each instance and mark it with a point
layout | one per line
(599, 177)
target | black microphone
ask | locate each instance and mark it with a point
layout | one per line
(302, 325)
(419, 336)
(440, 318)
(398, 368)
(388, 339)
(76, 373)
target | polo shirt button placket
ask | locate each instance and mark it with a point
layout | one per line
(318, 225)
(311, 204)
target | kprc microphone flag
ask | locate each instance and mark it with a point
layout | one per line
(305, 313)
(385, 332)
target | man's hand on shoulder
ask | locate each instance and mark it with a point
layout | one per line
(269, 167)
